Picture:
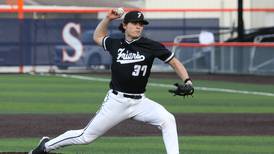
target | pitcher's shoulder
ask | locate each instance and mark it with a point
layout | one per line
(149, 41)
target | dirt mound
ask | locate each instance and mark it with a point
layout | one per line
(188, 124)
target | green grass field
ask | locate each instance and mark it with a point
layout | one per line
(54, 94)
(154, 145)
(50, 94)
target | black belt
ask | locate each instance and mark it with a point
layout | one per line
(127, 95)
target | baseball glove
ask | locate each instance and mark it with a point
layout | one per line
(182, 89)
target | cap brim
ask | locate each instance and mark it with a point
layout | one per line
(145, 22)
(142, 21)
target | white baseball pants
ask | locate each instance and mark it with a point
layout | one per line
(115, 109)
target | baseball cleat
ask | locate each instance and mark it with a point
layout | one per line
(40, 149)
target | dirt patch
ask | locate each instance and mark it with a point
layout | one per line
(188, 124)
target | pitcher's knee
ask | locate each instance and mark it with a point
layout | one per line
(168, 121)
(171, 119)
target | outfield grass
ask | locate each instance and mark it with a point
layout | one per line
(154, 145)
(51, 94)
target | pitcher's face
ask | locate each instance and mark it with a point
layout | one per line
(133, 30)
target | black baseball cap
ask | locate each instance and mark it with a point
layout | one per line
(135, 16)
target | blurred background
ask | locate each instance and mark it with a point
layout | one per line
(53, 77)
(216, 36)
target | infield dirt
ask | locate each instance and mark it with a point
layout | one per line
(32, 125)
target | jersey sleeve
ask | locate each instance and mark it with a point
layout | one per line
(106, 43)
(110, 44)
(161, 52)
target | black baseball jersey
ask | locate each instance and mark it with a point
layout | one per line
(132, 62)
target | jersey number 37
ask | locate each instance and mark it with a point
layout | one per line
(139, 70)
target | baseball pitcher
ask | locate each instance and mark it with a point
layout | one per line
(132, 58)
